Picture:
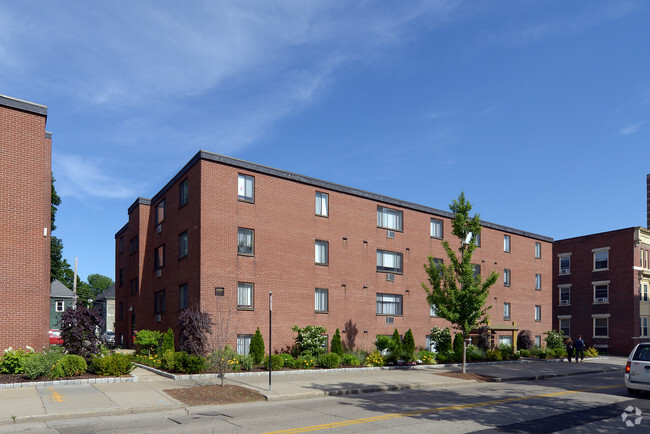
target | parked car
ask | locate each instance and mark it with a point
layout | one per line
(55, 337)
(108, 337)
(637, 369)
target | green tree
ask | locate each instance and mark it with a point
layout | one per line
(337, 345)
(396, 351)
(408, 346)
(95, 284)
(167, 341)
(58, 264)
(256, 348)
(441, 340)
(456, 290)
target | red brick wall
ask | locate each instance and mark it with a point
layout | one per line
(286, 228)
(25, 170)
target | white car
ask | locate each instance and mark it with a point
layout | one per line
(637, 369)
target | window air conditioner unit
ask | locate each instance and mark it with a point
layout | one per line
(158, 272)
(390, 234)
(390, 277)
(390, 320)
(158, 318)
(564, 301)
(159, 228)
(601, 300)
(564, 271)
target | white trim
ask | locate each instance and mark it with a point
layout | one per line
(600, 249)
(564, 285)
(564, 317)
(600, 315)
(601, 282)
(561, 255)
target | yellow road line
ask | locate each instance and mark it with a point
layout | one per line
(434, 410)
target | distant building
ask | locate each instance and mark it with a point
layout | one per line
(223, 233)
(60, 299)
(104, 303)
(25, 201)
(600, 287)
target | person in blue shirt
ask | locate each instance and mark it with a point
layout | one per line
(579, 345)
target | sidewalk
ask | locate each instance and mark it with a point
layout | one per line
(145, 393)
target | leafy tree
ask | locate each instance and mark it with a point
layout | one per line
(525, 340)
(396, 350)
(78, 331)
(441, 339)
(408, 346)
(195, 326)
(337, 344)
(221, 361)
(95, 285)
(58, 265)
(256, 349)
(458, 343)
(554, 339)
(311, 340)
(458, 293)
(167, 341)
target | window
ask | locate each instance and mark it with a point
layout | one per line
(565, 294)
(322, 252)
(246, 188)
(565, 325)
(436, 228)
(121, 277)
(121, 245)
(477, 270)
(538, 312)
(389, 262)
(506, 243)
(643, 290)
(601, 326)
(430, 344)
(538, 250)
(159, 257)
(389, 304)
(243, 344)
(601, 292)
(644, 326)
(245, 241)
(389, 218)
(601, 259)
(133, 286)
(160, 212)
(159, 302)
(433, 310)
(565, 264)
(60, 306)
(506, 277)
(182, 193)
(506, 311)
(245, 296)
(538, 341)
(471, 236)
(538, 282)
(134, 244)
(505, 340)
(182, 245)
(182, 297)
(322, 202)
(320, 300)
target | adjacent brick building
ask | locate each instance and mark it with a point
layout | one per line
(223, 233)
(25, 200)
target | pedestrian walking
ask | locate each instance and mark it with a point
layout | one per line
(579, 345)
(569, 348)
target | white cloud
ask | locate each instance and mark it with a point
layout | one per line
(631, 128)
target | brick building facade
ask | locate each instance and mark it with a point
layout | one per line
(25, 200)
(223, 233)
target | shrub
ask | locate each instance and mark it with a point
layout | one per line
(185, 363)
(167, 341)
(591, 352)
(305, 362)
(395, 351)
(256, 349)
(150, 360)
(493, 355)
(374, 359)
(12, 361)
(525, 340)
(408, 346)
(558, 353)
(349, 360)
(287, 359)
(39, 365)
(359, 355)
(475, 354)
(427, 357)
(311, 340)
(245, 361)
(337, 345)
(168, 360)
(506, 351)
(277, 362)
(195, 326)
(441, 339)
(383, 343)
(329, 361)
(73, 365)
(78, 331)
(542, 354)
(554, 339)
(148, 340)
(524, 353)
(458, 343)
(113, 365)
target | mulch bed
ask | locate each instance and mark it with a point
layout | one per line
(214, 395)
(467, 376)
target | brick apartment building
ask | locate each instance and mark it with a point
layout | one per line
(224, 232)
(25, 187)
(600, 287)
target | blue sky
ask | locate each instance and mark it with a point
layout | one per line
(538, 110)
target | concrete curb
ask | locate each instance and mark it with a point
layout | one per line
(102, 380)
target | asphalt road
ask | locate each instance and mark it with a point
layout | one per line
(586, 403)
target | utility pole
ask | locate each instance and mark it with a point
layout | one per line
(270, 346)
(74, 285)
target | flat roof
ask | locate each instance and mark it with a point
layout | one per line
(234, 162)
(20, 104)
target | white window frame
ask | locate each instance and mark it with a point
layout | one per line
(321, 252)
(505, 340)
(59, 306)
(244, 344)
(596, 317)
(538, 341)
(600, 252)
(538, 312)
(390, 304)
(321, 300)
(643, 291)
(561, 289)
(244, 235)
(507, 275)
(538, 250)
(385, 258)
(389, 218)
(643, 323)
(538, 281)
(245, 188)
(507, 311)
(598, 286)
(507, 240)
(433, 311)
(245, 296)
(566, 318)
(322, 204)
(567, 268)
(436, 227)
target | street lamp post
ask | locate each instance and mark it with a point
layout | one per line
(270, 316)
